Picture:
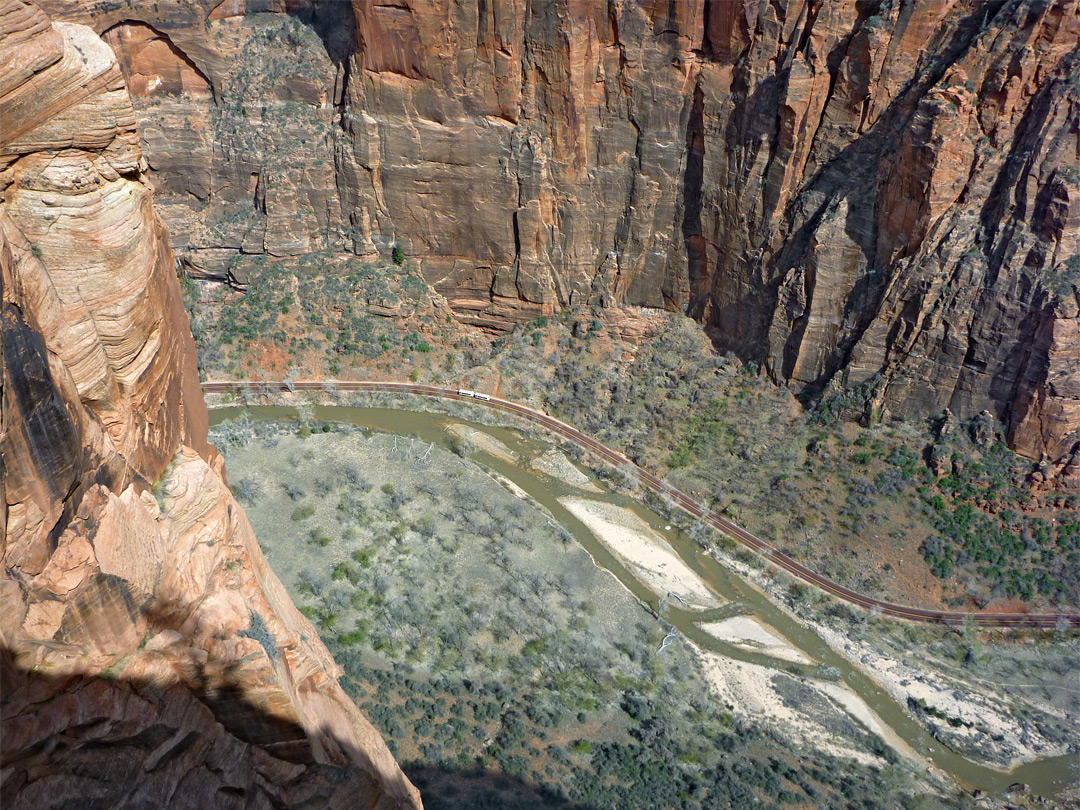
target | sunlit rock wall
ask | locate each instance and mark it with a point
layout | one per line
(867, 194)
(149, 654)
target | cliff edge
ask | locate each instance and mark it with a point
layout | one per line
(150, 655)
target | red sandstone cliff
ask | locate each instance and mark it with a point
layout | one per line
(150, 655)
(856, 193)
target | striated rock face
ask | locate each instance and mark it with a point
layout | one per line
(150, 656)
(869, 194)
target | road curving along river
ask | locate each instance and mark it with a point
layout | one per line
(1045, 776)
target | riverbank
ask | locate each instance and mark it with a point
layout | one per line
(977, 721)
(525, 664)
(556, 465)
(414, 423)
(803, 711)
(750, 634)
(643, 551)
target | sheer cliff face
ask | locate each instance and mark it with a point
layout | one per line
(867, 193)
(124, 553)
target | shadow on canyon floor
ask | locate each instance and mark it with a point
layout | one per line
(444, 788)
(101, 742)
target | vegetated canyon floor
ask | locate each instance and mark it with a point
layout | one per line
(932, 513)
(507, 670)
(503, 667)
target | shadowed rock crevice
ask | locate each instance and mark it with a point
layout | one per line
(112, 741)
(49, 438)
(335, 23)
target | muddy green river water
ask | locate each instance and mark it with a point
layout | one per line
(1045, 776)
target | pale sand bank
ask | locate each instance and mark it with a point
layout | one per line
(1014, 740)
(858, 708)
(644, 552)
(750, 634)
(510, 485)
(749, 689)
(996, 724)
(481, 441)
(558, 466)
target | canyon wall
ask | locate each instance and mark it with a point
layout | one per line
(149, 655)
(871, 196)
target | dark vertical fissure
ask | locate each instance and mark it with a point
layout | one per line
(697, 267)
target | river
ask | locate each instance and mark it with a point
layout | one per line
(1045, 776)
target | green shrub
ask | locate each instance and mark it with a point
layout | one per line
(344, 571)
(357, 636)
(261, 634)
(319, 537)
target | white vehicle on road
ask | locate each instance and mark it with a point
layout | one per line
(465, 392)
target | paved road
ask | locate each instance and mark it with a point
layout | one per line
(683, 501)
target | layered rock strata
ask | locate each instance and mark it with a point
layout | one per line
(868, 195)
(150, 656)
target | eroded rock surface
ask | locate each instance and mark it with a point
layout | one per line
(150, 655)
(859, 194)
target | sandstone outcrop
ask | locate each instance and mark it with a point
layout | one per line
(875, 195)
(150, 656)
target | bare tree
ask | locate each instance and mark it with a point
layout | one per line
(671, 637)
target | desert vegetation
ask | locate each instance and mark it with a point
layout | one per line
(505, 669)
(935, 512)
(292, 321)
